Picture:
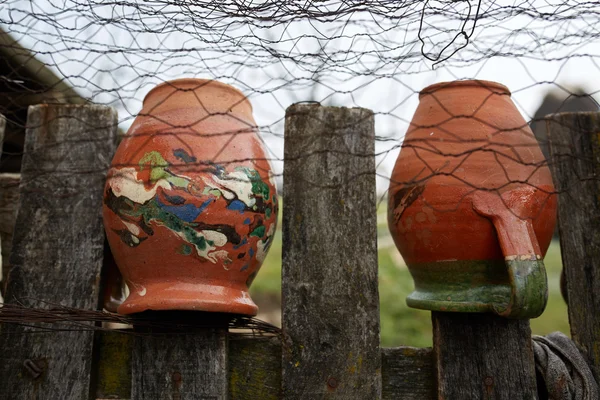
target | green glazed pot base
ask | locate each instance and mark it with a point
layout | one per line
(460, 286)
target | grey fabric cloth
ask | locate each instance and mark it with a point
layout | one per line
(563, 368)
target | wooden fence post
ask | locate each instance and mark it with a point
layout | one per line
(2, 129)
(329, 279)
(574, 140)
(9, 202)
(181, 365)
(57, 248)
(483, 356)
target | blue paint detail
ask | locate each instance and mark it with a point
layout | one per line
(251, 252)
(237, 205)
(184, 156)
(185, 212)
(245, 267)
(243, 242)
(247, 221)
(174, 199)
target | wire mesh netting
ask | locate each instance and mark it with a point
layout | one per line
(376, 55)
(373, 54)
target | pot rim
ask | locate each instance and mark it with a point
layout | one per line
(495, 87)
(198, 83)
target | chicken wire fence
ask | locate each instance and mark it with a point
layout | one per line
(372, 54)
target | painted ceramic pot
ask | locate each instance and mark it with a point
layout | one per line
(471, 203)
(189, 205)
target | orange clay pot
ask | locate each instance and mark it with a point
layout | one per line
(189, 207)
(471, 203)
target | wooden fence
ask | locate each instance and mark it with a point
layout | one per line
(329, 346)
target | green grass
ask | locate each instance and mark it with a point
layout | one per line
(401, 325)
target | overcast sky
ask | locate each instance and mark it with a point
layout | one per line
(367, 58)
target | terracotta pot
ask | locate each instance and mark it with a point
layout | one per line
(471, 203)
(189, 207)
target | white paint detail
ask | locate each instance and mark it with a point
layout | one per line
(227, 194)
(261, 247)
(217, 238)
(142, 292)
(133, 228)
(124, 182)
(510, 258)
(201, 253)
(220, 255)
(239, 183)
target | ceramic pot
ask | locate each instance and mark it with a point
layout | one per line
(471, 203)
(189, 206)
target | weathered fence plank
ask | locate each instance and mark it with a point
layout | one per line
(574, 140)
(2, 128)
(329, 274)
(112, 365)
(2, 270)
(9, 202)
(181, 364)
(57, 248)
(255, 370)
(483, 356)
(408, 373)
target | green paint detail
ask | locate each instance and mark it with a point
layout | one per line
(185, 249)
(157, 165)
(152, 212)
(268, 212)
(259, 187)
(208, 190)
(480, 286)
(529, 294)
(178, 181)
(155, 161)
(259, 231)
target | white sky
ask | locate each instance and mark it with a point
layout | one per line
(372, 62)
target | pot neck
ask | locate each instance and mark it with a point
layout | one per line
(210, 96)
(488, 87)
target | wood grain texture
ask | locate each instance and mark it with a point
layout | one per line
(9, 203)
(181, 363)
(483, 356)
(180, 367)
(330, 296)
(4, 245)
(112, 364)
(57, 248)
(574, 141)
(255, 369)
(2, 128)
(408, 373)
